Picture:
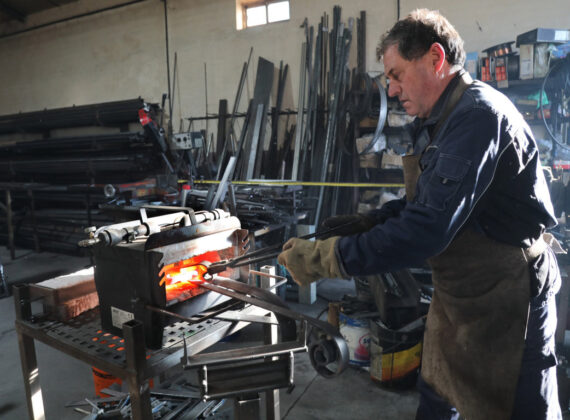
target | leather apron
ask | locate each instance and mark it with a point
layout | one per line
(475, 328)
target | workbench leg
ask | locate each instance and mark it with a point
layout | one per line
(28, 357)
(34, 224)
(3, 282)
(271, 336)
(308, 293)
(246, 407)
(133, 334)
(9, 223)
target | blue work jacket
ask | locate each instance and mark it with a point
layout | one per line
(480, 170)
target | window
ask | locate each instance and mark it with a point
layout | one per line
(255, 12)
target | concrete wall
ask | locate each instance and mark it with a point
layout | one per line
(120, 54)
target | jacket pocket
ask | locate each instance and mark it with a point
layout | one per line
(444, 181)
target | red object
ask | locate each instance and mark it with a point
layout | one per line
(144, 117)
(186, 187)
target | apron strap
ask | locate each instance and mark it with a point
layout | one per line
(464, 81)
(411, 162)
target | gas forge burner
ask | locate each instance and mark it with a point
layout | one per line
(149, 268)
(192, 266)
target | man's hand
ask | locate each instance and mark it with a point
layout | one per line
(308, 261)
(349, 224)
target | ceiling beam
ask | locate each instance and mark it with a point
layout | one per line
(9, 10)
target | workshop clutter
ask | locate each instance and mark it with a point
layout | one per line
(395, 355)
(383, 327)
(356, 332)
(70, 180)
(103, 380)
(55, 165)
(502, 63)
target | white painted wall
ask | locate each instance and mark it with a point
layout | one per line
(120, 54)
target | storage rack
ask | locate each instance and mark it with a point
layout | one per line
(124, 357)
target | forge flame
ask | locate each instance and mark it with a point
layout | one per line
(182, 279)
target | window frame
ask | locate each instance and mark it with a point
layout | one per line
(245, 4)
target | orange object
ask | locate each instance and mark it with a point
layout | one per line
(102, 380)
(183, 278)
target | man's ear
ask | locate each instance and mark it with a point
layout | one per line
(437, 55)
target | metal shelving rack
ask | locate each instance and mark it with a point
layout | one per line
(124, 357)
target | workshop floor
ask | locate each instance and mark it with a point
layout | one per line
(352, 395)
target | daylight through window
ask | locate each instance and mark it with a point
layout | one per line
(255, 13)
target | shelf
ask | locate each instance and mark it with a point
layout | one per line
(123, 356)
(513, 84)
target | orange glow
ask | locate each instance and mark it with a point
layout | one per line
(182, 278)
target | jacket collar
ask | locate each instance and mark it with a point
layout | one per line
(443, 100)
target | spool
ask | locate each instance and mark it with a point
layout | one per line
(395, 356)
(102, 380)
(356, 333)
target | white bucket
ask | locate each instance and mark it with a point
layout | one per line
(356, 333)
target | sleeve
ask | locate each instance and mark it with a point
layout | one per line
(390, 209)
(459, 167)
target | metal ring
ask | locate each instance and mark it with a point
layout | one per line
(381, 116)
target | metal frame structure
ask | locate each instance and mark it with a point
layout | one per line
(127, 357)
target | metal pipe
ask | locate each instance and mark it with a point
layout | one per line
(167, 61)
(244, 114)
(300, 109)
(195, 320)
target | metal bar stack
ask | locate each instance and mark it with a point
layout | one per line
(317, 145)
(57, 179)
(320, 152)
(103, 114)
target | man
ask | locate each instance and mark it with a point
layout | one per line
(476, 208)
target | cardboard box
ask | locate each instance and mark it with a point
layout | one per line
(363, 143)
(369, 160)
(526, 69)
(391, 161)
(398, 118)
(541, 60)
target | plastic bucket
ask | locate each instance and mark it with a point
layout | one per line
(102, 380)
(356, 333)
(395, 356)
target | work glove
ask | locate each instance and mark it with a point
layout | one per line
(354, 223)
(308, 261)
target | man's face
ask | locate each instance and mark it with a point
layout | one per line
(411, 81)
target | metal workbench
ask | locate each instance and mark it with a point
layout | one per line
(124, 357)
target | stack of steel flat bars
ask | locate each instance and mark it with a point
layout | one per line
(251, 167)
(231, 143)
(270, 167)
(300, 114)
(323, 89)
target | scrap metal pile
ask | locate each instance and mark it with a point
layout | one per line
(319, 145)
(77, 158)
(56, 162)
(68, 167)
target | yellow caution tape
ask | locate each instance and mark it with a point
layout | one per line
(268, 182)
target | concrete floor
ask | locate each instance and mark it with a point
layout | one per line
(351, 395)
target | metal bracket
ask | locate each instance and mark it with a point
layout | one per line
(228, 379)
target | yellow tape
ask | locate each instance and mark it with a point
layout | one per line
(305, 183)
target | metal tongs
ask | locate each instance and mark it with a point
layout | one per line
(263, 253)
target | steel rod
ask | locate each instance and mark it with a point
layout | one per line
(300, 108)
